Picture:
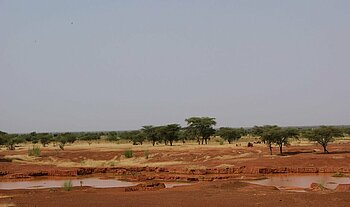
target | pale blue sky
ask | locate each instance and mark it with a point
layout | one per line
(114, 65)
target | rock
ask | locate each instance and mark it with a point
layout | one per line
(343, 188)
(317, 187)
(146, 187)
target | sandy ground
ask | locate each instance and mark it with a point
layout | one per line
(178, 162)
(219, 193)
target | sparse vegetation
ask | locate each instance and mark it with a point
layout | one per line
(128, 153)
(34, 151)
(230, 134)
(323, 135)
(146, 153)
(67, 185)
(339, 175)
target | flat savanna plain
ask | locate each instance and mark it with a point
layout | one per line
(218, 171)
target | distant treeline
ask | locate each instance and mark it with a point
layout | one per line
(200, 129)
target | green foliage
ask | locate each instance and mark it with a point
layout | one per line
(11, 140)
(67, 185)
(282, 135)
(221, 142)
(230, 134)
(170, 132)
(339, 175)
(113, 136)
(89, 137)
(31, 137)
(3, 136)
(275, 135)
(323, 135)
(346, 131)
(128, 153)
(136, 136)
(45, 138)
(152, 134)
(34, 151)
(201, 128)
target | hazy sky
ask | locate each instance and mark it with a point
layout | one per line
(114, 65)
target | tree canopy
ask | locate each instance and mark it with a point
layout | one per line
(230, 134)
(323, 135)
(201, 128)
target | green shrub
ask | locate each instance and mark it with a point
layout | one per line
(146, 153)
(67, 185)
(221, 142)
(128, 153)
(35, 151)
(339, 175)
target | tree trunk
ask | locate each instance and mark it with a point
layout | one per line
(153, 142)
(270, 147)
(202, 141)
(171, 143)
(281, 150)
(325, 149)
(206, 141)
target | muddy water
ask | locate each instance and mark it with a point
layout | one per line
(302, 181)
(90, 182)
(40, 184)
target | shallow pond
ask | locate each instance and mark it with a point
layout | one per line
(90, 182)
(302, 181)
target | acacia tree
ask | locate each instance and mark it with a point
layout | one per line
(323, 135)
(113, 136)
(266, 135)
(282, 136)
(136, 136)
(152, 134)
(201, 128)
(45, 138)
(2, 138)
(89, 137)
(171, 133)
(275, 135)
(230, 134)
(10, 140)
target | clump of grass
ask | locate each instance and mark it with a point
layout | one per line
(111, 163)
(221, 142)
(321, 186)
(339, 175)
(146, 153)
(128, 153)
(67, 185)
(35, 151)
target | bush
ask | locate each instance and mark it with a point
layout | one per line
(221, 142)
(339, 175)
(67, 185)
(146, 153)
(35, 151)
(128, 154)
